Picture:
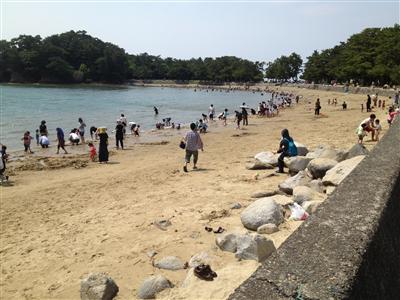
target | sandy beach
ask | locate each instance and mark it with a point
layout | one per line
(58, 225)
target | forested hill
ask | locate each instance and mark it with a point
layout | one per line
(74, 57)
(370, 56)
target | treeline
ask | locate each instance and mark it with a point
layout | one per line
(284, 67)
(74, 57)
(370, 56)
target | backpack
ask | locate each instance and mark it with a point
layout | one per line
(292, 147)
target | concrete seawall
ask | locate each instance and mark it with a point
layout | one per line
(350, 248)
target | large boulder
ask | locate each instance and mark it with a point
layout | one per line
(255, 246)
(98, 286)
(311, 206)
(303, 194)
(282, 200)
(290, 183)
(267, 228)
(258, 165)
(267, 158)
(357, 150)
(227, 241)
(324, 151)
(339, 172)
(301, 149)
(296, 164)
(317, 186)
(319, 166)
(260, 212)
(170, 263)
(153, 285)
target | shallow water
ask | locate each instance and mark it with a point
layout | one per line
(24, 106)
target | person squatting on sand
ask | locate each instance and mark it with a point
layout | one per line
(287, 148)
(61, 140)
(44, 141)
(193, 144)
(370, 125)
(103, 151)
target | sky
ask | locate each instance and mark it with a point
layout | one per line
(259, 31)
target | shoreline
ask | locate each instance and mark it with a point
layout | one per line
(62, 224)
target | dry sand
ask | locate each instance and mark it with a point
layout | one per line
(59, 225)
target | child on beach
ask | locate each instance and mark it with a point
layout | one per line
(136, 130)
(27, 141)
(92, 151)
(378, 129)
(238, 118)
(361, 132)
(225, 116)
(3, 161)
(37, 137)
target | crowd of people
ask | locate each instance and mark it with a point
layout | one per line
(192, 140)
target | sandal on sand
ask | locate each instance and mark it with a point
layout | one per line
(219, 230)
(209, 229)
(204, 272)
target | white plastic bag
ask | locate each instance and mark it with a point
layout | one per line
(298, 213)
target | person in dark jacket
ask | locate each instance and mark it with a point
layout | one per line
(103, 151)
(61, 140)
(119, 135)
(283, 149)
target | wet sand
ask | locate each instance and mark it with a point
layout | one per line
(59, 224)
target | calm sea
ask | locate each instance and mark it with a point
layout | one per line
(23, 107)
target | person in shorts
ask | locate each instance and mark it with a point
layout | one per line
(27, 141)
(82, 126)
(193, 144)
(361, 132)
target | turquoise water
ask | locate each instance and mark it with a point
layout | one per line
(23, 107)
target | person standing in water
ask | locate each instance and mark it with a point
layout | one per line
(155, 110)
(61, 140)
(103, 151)
(119, 135)
(43, 128)
(27, 141)
(81, 128)
(211, 112)
(245, 114)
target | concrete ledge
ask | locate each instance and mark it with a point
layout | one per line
(350, 248)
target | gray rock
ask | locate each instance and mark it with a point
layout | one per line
(302, 194)
(162, 224)
(236, 206)
(151, 253)
(264, 194)
(339, 172)
(98, 286)
(357, 150)
(317, 186)
(267, 228)
(301, 149)
(260, 212)
(257, 165)
(256, 247)
(153, 285)
(330, 189)
(324, 151)
(282, 200)
(311, 206)
(267, 158)
(290, 183)
(170, 263)
(319, 166)
(227, 242)
(199, 258)
(297, 163)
